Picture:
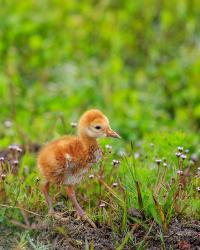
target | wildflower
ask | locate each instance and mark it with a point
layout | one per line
(3, 176)
(115, 184)
(8, 124)
(121, 152)
(115, 163)
(158, 161)
(165, 164)
(2, 159)
(15, 147)
(136, 155)
(11, 147)
(172, 179)
(178, 154)
(194, 157)
(73, 124)
(180, 149)
(91, 176)
(198, 189)
(109, 148)
(191, 163)
(187, 151)
(18, 149)
(180, 172)
(198, 168)
(183, 156)
(102, 204)
(15, 162)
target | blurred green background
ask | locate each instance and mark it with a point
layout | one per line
(138, 61)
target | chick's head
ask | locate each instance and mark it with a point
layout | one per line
(95, 124)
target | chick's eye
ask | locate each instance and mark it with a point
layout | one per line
(98, 127)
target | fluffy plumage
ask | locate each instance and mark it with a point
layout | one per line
(66, 160)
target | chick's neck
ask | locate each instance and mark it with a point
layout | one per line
(88, 141)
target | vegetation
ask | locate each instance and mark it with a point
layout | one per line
(138, 61)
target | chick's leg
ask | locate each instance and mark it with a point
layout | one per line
(71, 194)
(45, 191)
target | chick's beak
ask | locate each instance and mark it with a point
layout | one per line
(112, 133)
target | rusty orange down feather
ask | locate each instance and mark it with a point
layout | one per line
(66, 160)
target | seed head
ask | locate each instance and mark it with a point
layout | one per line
(115, 163)
(73, 124)
(18, 149)
(180, 172)
(115, 184)
(109, 148)
(102, 204)
(3, 176)
(15, 147)
(158, 161)
(178, 154)
(8, 124)
(2, 159)
(183, 156)
(136, 155)
(172, 179)
(15, 162)
(180, 149)
(11, 147)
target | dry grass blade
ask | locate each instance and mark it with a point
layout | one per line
(140, 201)
(161, 213)
(111, 191)
(25, 217)
(14, 207)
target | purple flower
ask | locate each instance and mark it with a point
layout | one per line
(183, 156)
(178, 154)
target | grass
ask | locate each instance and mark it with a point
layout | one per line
(150, 184)
(138, 61)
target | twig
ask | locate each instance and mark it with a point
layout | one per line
(25, 217)
(30, 212)
(16, 223)
(111, 190)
